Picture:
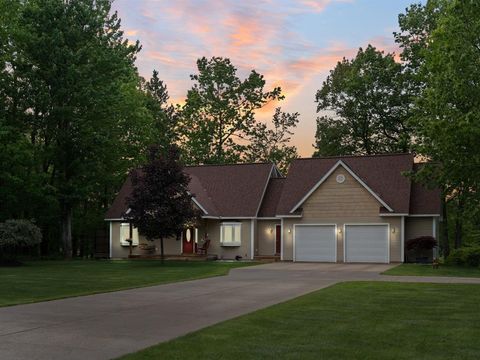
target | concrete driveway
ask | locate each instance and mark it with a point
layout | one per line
(108, 325)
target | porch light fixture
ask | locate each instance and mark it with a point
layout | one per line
(270, 229)
(340, 231)
(393, 229)
(289, 230)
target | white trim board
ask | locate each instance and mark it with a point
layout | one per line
(252, 239)
(110, 242)
(424, 215)
(394, 214)
(325, 177)
(402, 239)
(199, 205)
(282, 237)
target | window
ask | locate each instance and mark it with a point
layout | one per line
(231, 234)
(125, 234)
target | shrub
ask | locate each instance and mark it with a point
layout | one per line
(466, 256)
(421, 243)
(16, 235)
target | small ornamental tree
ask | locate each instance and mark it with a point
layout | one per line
(419, 249)
(17, 235)
(421, 243)
(160, 204)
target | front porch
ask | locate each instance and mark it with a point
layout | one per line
(174, 257)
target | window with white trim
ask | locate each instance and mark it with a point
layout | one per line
(125, 235)
(231, 234)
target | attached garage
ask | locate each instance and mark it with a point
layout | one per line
(367, 243)
(315, 243)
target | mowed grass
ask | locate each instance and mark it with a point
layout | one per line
(356, 320)
(47, 280)
(428, 270)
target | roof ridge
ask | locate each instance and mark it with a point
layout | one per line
(236, 164)
(352, 156)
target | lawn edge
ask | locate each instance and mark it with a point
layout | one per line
(124, 288)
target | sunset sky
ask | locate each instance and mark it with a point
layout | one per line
(292, 43)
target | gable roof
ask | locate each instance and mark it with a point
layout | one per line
(272, 196)
(422, 200)
(230, 190)
(379, 173)
(256, 190)
(218, 190)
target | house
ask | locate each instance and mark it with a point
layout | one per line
(331, 209)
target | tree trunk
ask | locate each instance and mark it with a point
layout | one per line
(445, 242)
(161, 250)
(66, 219)
(458, 232)
(459, 223)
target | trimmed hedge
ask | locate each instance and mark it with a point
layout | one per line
(466, 256)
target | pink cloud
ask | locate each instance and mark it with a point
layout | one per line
(254, 34)
(320, 5)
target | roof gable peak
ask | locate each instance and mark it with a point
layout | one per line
(327, 175)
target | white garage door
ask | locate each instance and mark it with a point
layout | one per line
(315, 243)
(366, 243)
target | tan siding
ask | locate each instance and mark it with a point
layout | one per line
(265, 237)
(223, 252)
(346, 203)
(171, 245)
(332, 199)
(418, 226)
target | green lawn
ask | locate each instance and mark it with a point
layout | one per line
(356, 320)
(428, 270)
(47, 280)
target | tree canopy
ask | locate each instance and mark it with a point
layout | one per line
(365, 106)
(73, 105)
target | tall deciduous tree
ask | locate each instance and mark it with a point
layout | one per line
(365, 106)
(272, 143)
(78, 93)
(160, 204)
(447, 120)
(219, 111)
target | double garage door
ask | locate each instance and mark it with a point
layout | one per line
(363, 243)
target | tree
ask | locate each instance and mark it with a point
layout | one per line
(160, 204)
(77, 99)
(219, 110)
(165, 117)
(17, 235)
(447, 118)
(366, 106)
(266, 144)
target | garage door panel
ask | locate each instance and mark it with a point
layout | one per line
(315, 243)
(366, 243)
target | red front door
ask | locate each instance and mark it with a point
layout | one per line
(188, 239)
(278, 239)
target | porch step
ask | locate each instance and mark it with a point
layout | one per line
(267, 258)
